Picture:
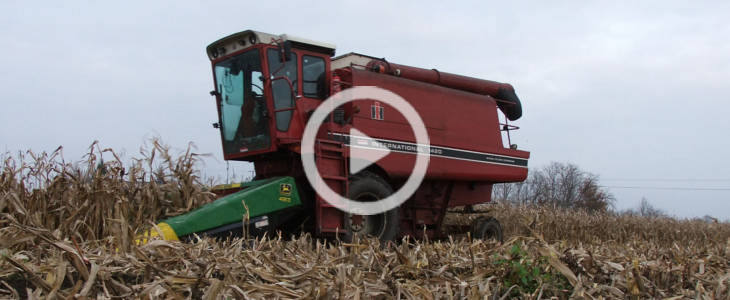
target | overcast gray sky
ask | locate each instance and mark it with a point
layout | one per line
(635, 92)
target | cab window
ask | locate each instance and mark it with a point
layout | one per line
(280, 89)
(313, 77)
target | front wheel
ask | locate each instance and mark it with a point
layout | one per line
(367, 187)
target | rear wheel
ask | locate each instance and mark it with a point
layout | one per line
(368, 187)
(485, 228)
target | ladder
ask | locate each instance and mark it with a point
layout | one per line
(332, 165)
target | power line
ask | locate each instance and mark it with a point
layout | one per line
(669, 179)
(666, 188)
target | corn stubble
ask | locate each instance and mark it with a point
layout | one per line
(67, 230)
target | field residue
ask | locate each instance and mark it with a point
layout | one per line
(67, 230)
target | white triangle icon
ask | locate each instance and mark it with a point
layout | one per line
(364, 151)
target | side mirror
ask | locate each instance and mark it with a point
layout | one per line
(285, 51)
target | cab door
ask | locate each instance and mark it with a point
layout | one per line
(307, 72)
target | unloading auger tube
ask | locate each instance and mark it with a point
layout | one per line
(507, 99)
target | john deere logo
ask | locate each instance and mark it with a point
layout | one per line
(285, 189)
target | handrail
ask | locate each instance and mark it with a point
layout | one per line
(506, 126)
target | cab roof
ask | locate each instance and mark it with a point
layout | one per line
(248, 38)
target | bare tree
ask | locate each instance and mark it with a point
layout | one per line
(502, 192)
(648, 210)
(592, 197)
(559, 185)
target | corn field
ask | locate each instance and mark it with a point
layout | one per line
(67, 231)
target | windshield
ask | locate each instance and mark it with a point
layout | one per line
(243, 112)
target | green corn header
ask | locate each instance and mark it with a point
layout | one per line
(262, 204)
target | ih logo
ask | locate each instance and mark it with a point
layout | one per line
(376, 111)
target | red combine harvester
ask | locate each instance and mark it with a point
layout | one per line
(266, 88)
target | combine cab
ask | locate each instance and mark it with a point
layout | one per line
(267, 87)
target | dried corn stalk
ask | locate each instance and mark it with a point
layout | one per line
(66, 228)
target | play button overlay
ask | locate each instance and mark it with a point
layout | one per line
(368, 156)
(364, 151)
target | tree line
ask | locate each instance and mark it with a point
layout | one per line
(562, 185)
(565, 185)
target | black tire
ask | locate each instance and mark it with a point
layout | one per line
(485, 228)
(366, 186)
